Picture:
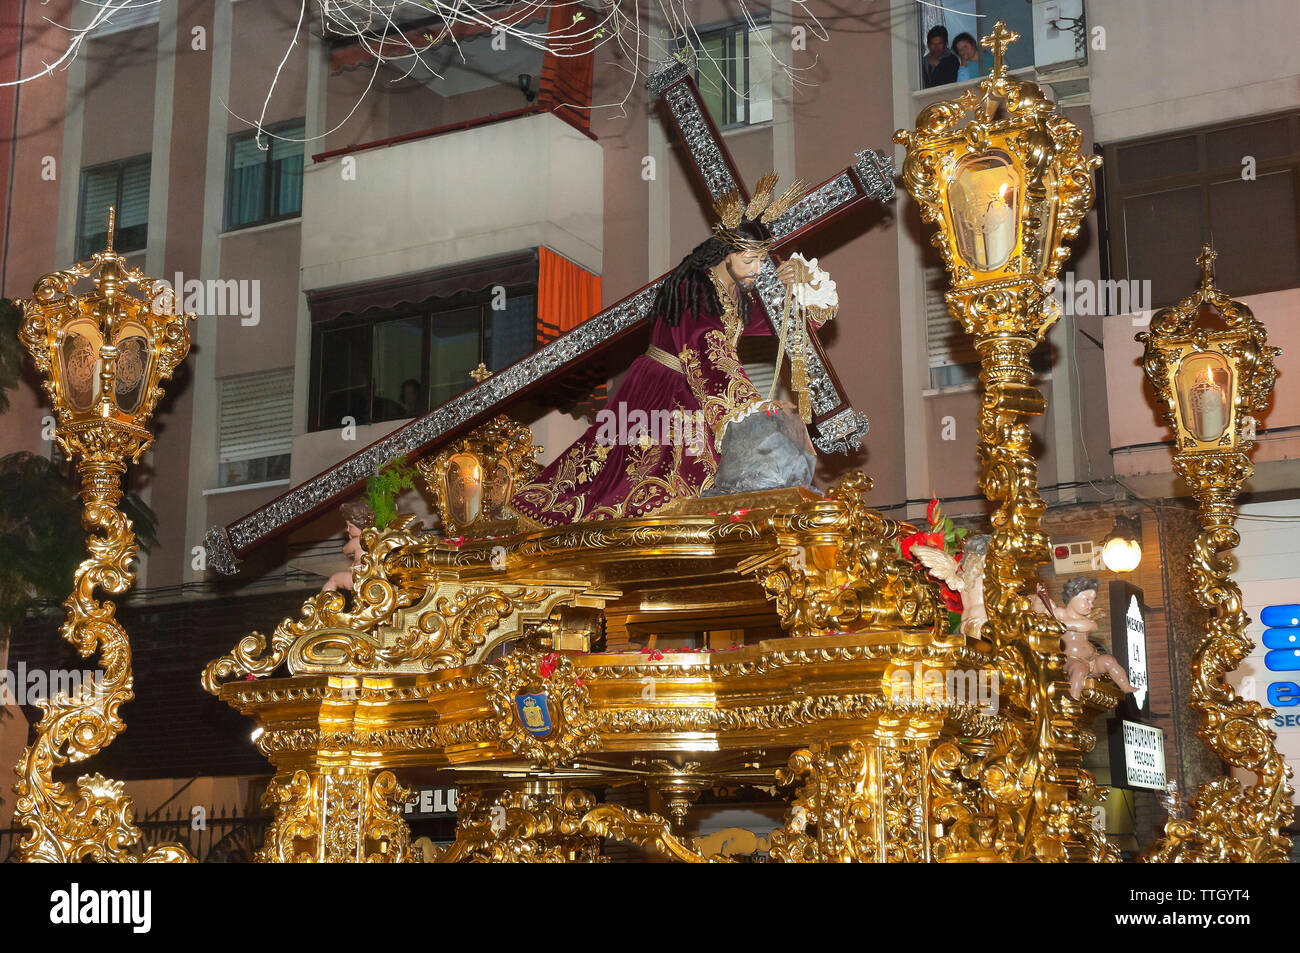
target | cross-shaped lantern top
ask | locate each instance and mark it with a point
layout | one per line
(1205, 260)
(998, 41)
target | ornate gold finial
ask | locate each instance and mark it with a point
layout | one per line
(112, 225)
(998, 41)
(1205, 261)
(480, 373)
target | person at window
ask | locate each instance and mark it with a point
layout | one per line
(691, 374)
(968, 54)
(939, 65)
(413, 398)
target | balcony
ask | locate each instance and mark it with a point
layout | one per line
(1139, 439)
(424, 203)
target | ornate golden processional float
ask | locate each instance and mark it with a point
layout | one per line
(472, 657)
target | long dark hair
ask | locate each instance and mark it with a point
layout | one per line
(689, 281)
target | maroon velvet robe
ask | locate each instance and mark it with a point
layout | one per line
(656, 440)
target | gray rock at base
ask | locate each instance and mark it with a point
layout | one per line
(764, 452)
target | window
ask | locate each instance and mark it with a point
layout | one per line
(734, 74)
(1063, 30)
(952, 355)
(399, 363)
(264, 185)
(123, 185)
(1234, 184)
(255, 430)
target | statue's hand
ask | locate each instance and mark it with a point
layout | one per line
(793, 270)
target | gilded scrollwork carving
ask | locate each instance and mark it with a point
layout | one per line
(543, 708)
(345, 816)
(543, 823)
(103, 356)
(1228, 822)
(834, 569)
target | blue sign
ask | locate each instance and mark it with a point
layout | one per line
(1283, 642)
(1282, 616)
(1282, 638)
(534, 713)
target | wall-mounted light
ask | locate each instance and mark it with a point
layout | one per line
(1121, 550)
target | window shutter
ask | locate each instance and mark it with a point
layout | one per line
(946, 342)
(758, 355)
(256, 416)
(128, 17)
(100, 191)
(135, 195)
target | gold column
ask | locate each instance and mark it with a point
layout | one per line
(1001, 173)
(1227, 823)
(103, 355)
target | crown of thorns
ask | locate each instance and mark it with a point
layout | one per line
(732, 212)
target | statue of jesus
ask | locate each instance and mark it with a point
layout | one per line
(691, 374)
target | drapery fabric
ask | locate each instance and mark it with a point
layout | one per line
(567, 295)
(627, 464)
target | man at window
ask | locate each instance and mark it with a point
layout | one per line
(938, 66)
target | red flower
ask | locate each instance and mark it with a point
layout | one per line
(933, 513)
(547, 665)
(934, 540)
(950, 599)
(656, 655)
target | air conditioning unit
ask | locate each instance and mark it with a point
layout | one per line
(1075, 556)
(1058, 25)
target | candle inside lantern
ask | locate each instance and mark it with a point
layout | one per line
(999, 228)
(984, 202)
(1205, 395)
(1208, 406)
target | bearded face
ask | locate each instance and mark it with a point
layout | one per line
(744, 267)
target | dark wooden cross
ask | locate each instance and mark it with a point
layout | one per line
(839, 428)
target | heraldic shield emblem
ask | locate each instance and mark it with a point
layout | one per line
(534, 713)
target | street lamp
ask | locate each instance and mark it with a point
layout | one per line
(1001, 173)
(1211, 367)
(1121, 550)
(103, 355)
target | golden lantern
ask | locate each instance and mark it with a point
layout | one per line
(103, 355)
(1212, 369)
(1208, 361)
(1000, 172)
(473, 480)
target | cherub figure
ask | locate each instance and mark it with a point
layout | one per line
(966, 577)
(358, 517)
(1082, 657)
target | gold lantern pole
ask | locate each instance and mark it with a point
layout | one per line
(103, 356)
(1001, 173)
(1209, 362)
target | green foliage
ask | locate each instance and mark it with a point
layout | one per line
(382, 489)
(11, 357)
(41, 537)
